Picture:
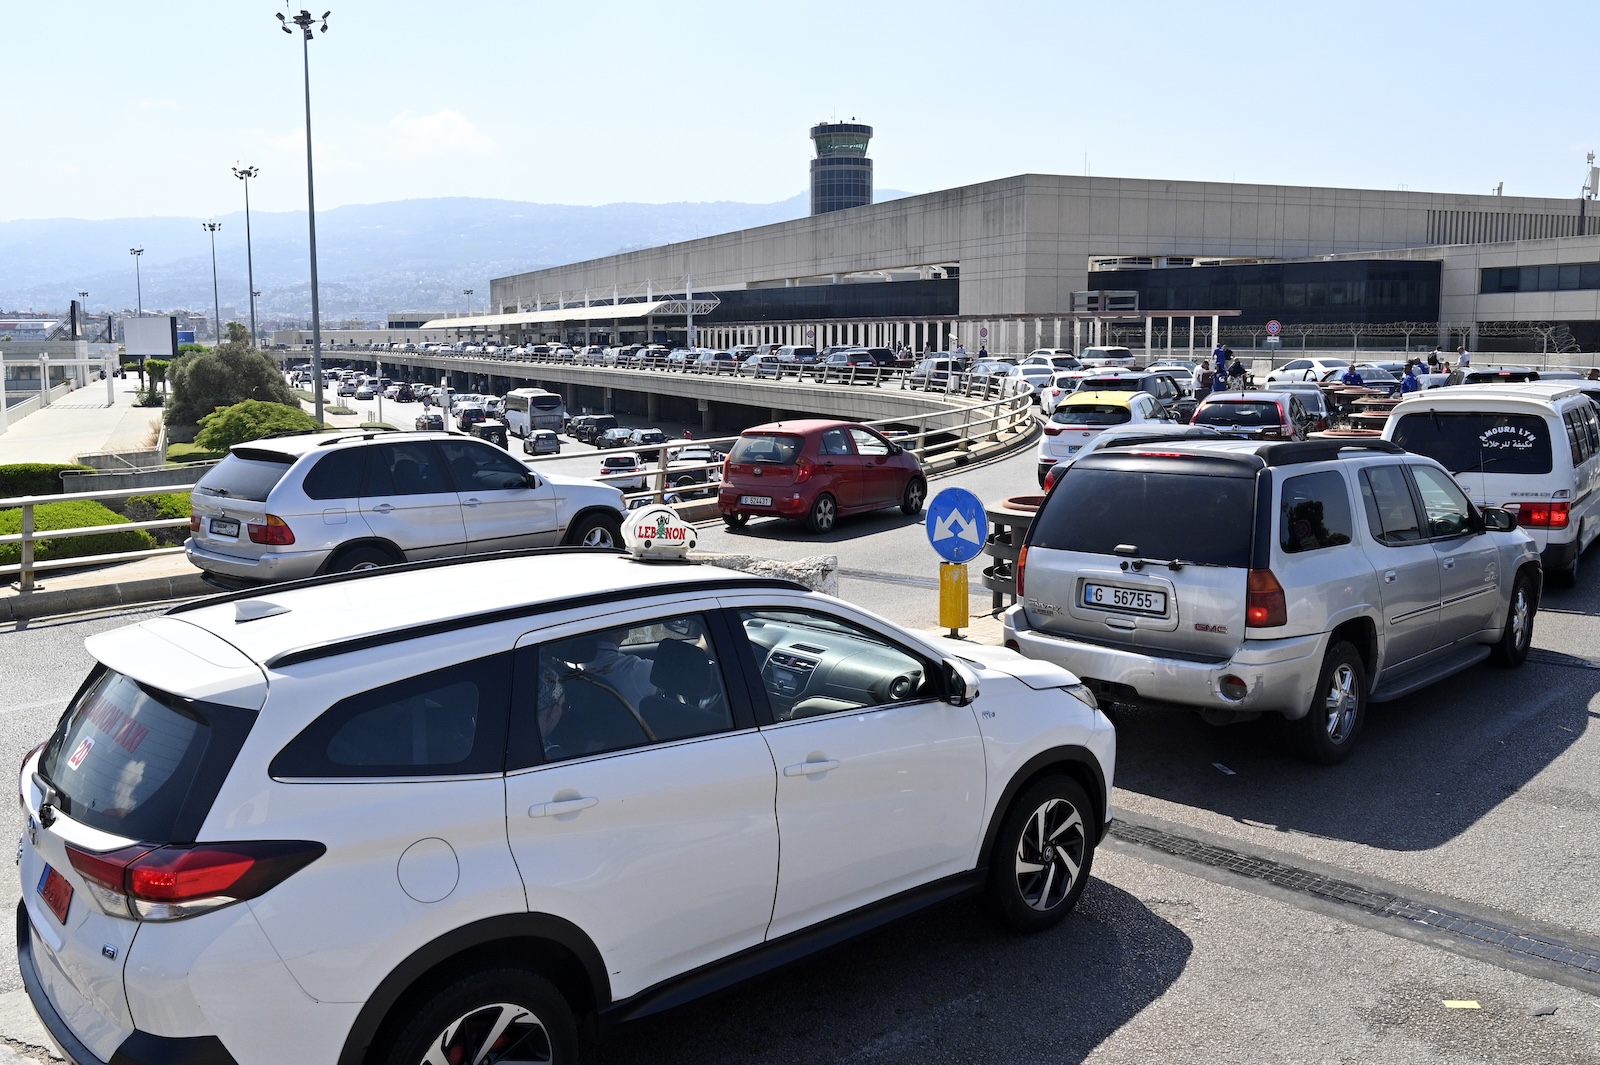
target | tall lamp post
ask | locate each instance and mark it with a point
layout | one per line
(467, 292)
(305, 21)
(216, 301)
(244, 174)
(138, 286)
(83, 309)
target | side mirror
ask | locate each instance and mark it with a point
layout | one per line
(1496, 519)
(960, 683)
(895, 449)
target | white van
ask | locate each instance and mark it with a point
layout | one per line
(1531, 448)
(1106, 357)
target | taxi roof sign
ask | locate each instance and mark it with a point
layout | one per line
(657, 532)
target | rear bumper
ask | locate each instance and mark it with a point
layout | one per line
(1280, 674)
(140, 1048)
(1558, 556)
(244, 572)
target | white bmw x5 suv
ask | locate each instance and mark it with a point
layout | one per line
(347, 820)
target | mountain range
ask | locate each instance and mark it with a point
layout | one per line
(371, 258)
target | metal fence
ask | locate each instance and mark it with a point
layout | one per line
(938, 439)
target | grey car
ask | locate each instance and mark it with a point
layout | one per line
(1301, 579)
(299, 506)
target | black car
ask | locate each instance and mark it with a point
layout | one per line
(430, 422)
(851, 365)
(470, 416)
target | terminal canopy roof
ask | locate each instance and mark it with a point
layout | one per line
(607, 312)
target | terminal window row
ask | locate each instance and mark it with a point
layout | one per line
(1567, 277)
(1295, 294)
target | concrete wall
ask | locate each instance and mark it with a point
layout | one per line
(1024, 242)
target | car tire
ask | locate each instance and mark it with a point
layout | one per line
(536, 1021)
(735, 521)
(1567, 576)
(1042, 855)
(358, 559)
(1517, 636)
(596, 530)
(915, 496)
(1328, 732)
(823, 515)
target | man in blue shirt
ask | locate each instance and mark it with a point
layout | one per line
(1410, 383)
(1352, 376)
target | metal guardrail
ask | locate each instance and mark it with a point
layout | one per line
(933, 438)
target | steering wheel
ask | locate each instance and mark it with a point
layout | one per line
(587, 678)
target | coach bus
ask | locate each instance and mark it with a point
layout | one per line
(528, 409)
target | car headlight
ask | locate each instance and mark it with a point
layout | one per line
(1082, 692)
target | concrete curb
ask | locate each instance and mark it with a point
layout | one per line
(101, 596)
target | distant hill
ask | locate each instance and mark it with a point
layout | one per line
(372, 258)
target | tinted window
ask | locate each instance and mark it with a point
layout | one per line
(482, 468)
(444, 723)
(617, 688)
(814, 664)
(767, 449)
(407, 469)
(1313, 513)
(245, 474)
(1390, 510)
(1478, 441)
(835, 442)
(137, 762)
(1094, 511)
(1239, 413)
(1109, 384)
(337, 475)
(1092, 414)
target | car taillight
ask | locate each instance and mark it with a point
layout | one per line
(168, 883)
(1265, 605)
(1553, 515)
(274, 531)
(194, 522)
(802, 470)
(1052, 476)
(1022, 562)
(1054, 430)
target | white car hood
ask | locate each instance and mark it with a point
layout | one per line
(1032, 672)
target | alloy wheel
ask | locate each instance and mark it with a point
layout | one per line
(1519, 618)
(501, 1033)
(599, 536)
(1050, 854)
(1341, 703)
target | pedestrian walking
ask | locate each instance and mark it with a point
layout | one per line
(1203, 382)
(1410, 382)
(1433, 361)
(1463, 358)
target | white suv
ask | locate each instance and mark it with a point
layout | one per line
(274, 828)
(296, 506)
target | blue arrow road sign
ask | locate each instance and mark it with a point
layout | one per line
(957, 525)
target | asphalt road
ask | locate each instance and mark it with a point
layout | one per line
(1477, 796)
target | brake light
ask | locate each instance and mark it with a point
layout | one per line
(275, 532)
(1265, 604)
(802, 470)
(1054, 430)
(1554, 515)
(1022, 562)
(1051, 476)
(167, 883)
(194, 522)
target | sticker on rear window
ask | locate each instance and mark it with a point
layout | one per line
(76, 761)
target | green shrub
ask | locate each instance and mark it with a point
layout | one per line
(74, 514)
(34, 478)
(192, 453)
(251, 420)
(153, 507)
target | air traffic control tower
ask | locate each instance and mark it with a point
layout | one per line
(841, 174)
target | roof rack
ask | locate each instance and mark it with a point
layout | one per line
(1298, 451)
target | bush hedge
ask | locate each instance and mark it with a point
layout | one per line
(35, 478)
(73, 514)
(251, 420)
(152, 507)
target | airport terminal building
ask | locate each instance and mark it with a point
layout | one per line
(1056, 260)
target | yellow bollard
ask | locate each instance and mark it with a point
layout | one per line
(953, 597)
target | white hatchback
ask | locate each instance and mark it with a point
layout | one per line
(352, 820)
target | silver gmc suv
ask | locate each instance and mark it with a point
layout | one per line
(296, 506)
(1239, 578)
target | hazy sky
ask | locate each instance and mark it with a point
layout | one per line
(119, 109)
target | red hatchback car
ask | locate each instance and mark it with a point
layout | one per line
(815, 471)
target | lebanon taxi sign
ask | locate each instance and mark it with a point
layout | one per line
(657, 532)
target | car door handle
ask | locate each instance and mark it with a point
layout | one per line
(470, 502)
(806, 769)
(1390, 576)
(1449, 563)
(383, 508)
(562, 806)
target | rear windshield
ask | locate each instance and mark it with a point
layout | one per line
(245, 474)
(1467, 441)
(767, 449)
(544, 402)
(1249, 413)
(1094, 511)
(139, 763)
(624, 463)
(1109, 384)
(1092, 414)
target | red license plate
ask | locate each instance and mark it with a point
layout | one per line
(56, 893)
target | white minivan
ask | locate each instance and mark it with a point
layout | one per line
(1532, 448)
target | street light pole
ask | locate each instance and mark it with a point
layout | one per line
(83, 311)
(244, 174)
(467, 292)
(216, 300)
(138, 287)
(304, 21)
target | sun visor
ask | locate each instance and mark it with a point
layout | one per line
(184, 659)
